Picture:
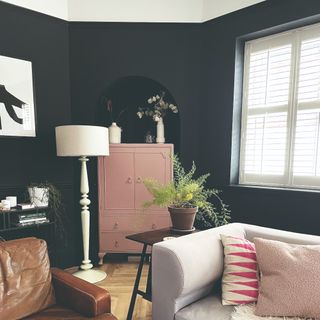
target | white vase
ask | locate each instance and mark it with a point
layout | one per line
(39, 197)
(114, 133)
(160, 131)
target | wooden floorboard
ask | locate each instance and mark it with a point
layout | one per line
(119, 282)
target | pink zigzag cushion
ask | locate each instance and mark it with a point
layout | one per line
(240, 276)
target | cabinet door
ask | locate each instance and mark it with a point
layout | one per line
(155, 164)
(119, 180)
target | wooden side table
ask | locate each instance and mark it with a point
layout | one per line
(148, 238)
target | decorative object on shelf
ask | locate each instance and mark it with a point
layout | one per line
(25, 206)
(114, 133)
(149, 138)
(46, 194)
(114, 129)
(5, 204)
(17, 118)
(13, 201)
(39, 196)
(157, 109)
(83, 141)
(184, 196)
(160, 131)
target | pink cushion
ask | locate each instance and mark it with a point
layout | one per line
(290, 279)
(240, 277)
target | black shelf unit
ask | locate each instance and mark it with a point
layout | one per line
(45, 230)
(6, 224)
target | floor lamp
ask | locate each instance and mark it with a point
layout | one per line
(83, 141)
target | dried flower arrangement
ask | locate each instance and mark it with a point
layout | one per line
(157, 108)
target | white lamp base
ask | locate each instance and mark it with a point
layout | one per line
(91, 275)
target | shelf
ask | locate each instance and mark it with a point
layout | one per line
(37, 225)
(16, 210)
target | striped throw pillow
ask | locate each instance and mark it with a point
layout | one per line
(240, 276)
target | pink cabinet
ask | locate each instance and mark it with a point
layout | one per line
(122, 192)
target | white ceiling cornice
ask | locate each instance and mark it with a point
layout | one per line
(55, 8)
(193, 11)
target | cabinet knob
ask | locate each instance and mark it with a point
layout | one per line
(129, 180)
(153, 226)
(139, 180)
(115, 226)
(116, 244)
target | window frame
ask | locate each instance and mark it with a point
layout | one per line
(288, 180)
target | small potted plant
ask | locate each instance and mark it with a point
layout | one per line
(184, 196)
(46, 194)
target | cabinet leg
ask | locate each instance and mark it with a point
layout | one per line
(101, 255)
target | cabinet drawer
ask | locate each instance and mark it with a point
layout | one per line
(153, 222)
(138, 223)
(117, 242)
(121, 223)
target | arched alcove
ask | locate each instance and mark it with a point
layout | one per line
(130, 93)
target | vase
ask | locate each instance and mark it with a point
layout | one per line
(160, 131)
(183, 218)
(39, 197)
(114, 133)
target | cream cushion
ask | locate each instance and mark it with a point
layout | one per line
(290, 279)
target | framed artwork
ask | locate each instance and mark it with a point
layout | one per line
(17, 107)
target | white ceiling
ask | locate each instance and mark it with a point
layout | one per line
(135, 10)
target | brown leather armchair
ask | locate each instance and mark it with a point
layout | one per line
(29, 289)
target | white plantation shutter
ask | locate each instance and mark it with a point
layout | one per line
(306, 145)
(280, 140)
(266, 144)
(306, 157)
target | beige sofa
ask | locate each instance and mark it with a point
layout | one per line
(186, 271)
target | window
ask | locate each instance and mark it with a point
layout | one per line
(280, 129)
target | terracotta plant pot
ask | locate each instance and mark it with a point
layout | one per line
(182, 218)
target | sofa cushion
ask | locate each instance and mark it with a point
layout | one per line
(209, 307)
(290, 279)
(25, 278)
(240, 276)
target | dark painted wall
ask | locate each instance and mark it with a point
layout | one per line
(292, 210)
(196, 62)
(101, 53)
(44, 41)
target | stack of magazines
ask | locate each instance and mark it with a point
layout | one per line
(22, 219)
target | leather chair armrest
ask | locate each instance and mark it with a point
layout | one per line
(80, 295)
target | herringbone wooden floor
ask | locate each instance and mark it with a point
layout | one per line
(119, 282)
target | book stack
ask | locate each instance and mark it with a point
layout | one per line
(22, 219)
(24, 206)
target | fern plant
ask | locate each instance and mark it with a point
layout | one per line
(186, 191)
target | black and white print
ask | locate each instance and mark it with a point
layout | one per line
(17, 110)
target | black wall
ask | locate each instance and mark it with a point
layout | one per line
(44, 41)
(196, 62)
(291, 210)
(101, 53)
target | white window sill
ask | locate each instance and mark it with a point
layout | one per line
(272, 188)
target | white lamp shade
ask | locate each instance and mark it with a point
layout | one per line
(81, 140)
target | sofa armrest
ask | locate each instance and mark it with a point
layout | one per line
(80, 295)
(185, 269)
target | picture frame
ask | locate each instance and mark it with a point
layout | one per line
(17, 99)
